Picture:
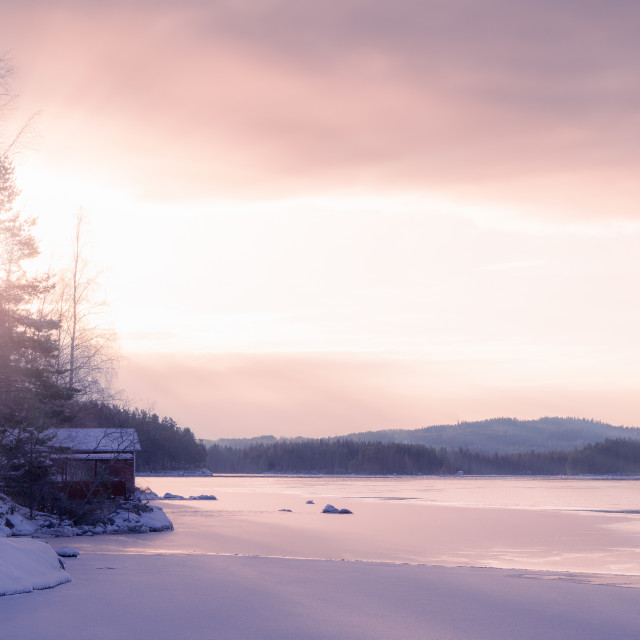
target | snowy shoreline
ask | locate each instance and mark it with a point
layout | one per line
(397, 569)
(27, 563)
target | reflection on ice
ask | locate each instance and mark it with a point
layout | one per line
(554, 524)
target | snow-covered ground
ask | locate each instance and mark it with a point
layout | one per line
(27, 564)
(307, 575)
(132, 517)
(191, 595)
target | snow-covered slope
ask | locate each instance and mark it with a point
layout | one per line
(130, 518)
(27, 564)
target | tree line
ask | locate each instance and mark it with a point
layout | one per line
(344, 456)
(165, 445)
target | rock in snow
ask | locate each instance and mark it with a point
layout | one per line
(67, 552)
(27, 564)
(146, 494)
(203, 497)
(132, 517)
(172, 496)
(130, 522)
(156, 520)
(331, 509)
(309, 502)
(19, 525)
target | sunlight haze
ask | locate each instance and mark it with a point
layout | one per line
(314, 222)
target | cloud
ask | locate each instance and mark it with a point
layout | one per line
(533, 104)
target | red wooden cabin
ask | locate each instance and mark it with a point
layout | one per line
(96, 462)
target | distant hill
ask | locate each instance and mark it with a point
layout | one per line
(506, 435)
(498, 435)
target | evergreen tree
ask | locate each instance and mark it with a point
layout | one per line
(29, 392)
(31, 399)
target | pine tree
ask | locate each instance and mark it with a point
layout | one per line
(31, 399)
(28, 387)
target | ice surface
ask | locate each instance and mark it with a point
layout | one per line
(521, 523)
(211, 577)
(195, 595)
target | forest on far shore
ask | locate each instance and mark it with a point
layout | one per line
(343, 456)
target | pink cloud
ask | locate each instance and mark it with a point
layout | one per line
(201, 99)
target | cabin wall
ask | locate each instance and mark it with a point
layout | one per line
(81, 478)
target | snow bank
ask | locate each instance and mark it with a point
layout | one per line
(18, 525)
(146, 494)
(182, 595)
(27, 564)
(132, 517)
(130, 522)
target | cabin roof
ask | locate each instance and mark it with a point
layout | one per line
(97, 440)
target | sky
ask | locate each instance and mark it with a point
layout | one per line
(320, 218)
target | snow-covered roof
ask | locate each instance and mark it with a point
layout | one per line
(97, 440)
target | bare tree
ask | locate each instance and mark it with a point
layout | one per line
(87, 351)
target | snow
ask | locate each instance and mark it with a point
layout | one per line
(237, 569)
(96, 440)
(146, 494)
(27, 564)
(156, 520)
(191, 594)
(132, 517)
(19, 525)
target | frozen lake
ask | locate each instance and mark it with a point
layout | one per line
(554, 524)
(563, 555)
